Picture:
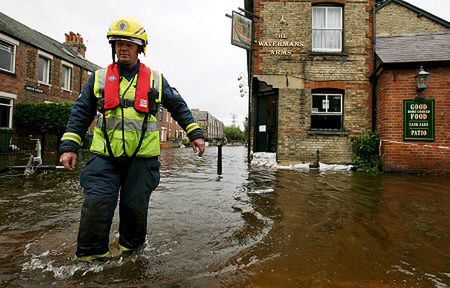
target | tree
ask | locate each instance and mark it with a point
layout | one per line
(234, 134)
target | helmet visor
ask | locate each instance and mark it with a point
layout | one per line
(133, 40)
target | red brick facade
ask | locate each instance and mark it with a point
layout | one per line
(413, 156)
(170, 130)
(26, 74)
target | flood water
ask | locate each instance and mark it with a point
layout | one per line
(253, 227)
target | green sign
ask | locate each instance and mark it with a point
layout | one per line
(419, 119)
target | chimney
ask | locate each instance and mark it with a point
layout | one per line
(75, 42)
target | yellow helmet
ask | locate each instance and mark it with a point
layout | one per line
(128, 29)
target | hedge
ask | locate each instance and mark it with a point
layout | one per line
(50, 116)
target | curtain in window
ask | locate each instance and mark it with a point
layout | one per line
(327, 28)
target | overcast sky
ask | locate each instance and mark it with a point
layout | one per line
(189, 41)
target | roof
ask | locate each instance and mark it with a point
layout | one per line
(24, 33)
(434, 47)
(415, 9)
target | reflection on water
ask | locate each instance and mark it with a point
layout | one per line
(252, 227)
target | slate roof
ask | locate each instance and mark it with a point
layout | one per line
(18, 31)
(432, 47)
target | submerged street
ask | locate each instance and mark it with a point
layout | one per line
(252, 227)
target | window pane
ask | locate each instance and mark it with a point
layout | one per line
(318, 39)
(332, 39)
(334, 18)
(43, 69)
(318, 17)
(335, 103)
(6, 56)
(4, 116)
(318, 104)
(326, 122)
(5, 101)
(66, 75)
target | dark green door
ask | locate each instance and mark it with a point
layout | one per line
(266, 122)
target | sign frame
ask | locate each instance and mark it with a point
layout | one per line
(236, 19)
(430, 119)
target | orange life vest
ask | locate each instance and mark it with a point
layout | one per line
(112, 88)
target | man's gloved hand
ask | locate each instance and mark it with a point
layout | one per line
(198, 145)
(69, 160)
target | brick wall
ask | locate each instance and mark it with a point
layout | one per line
(27, 65)
(413, 156)
(169, 124)
(349, 71)
(394, 19)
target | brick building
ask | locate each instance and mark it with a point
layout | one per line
(213, 127)
(408, 38)
(37, 68)
(170, 129)
(311, 71)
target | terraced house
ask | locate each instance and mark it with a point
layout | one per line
(37, 68)
(314, 70)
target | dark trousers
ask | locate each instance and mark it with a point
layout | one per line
(103, 182)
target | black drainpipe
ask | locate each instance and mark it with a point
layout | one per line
(374, 72)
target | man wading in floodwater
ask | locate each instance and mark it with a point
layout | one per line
(125, 146)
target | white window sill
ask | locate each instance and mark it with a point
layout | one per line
(67, 90)
(43, 83)
(8, 71)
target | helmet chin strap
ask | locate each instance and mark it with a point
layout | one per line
(113, 49)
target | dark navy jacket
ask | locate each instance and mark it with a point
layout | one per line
(85, 109)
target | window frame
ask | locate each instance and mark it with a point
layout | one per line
(49, 59)
(14, 43)
(341, 29)
(326, 113)
(69, 66)
(11, 98)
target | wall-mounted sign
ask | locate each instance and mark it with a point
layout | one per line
(281, 41)
(33, 89)
(419, 119)
(241, 32)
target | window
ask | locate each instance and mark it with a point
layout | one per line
(161, 111)
(44, 70)
(327, 29)
(7, 56)
(66, 77)
(6, 106)
(163, 134)
(326, 112)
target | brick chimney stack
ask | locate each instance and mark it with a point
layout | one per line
(75, 42)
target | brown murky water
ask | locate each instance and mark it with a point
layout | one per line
(254, 227)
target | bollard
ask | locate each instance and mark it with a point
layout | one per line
(219, 159)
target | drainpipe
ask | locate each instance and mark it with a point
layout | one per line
(374, 72)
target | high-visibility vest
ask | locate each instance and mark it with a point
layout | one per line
(124, 142)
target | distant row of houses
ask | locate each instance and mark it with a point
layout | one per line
(37, 68)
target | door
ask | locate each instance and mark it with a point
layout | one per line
(266, 126)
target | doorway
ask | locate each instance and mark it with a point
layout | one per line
(266, 126)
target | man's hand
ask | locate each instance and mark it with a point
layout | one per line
(69, 160)
(200, 144)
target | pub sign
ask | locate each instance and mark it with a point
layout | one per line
(419, 119)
